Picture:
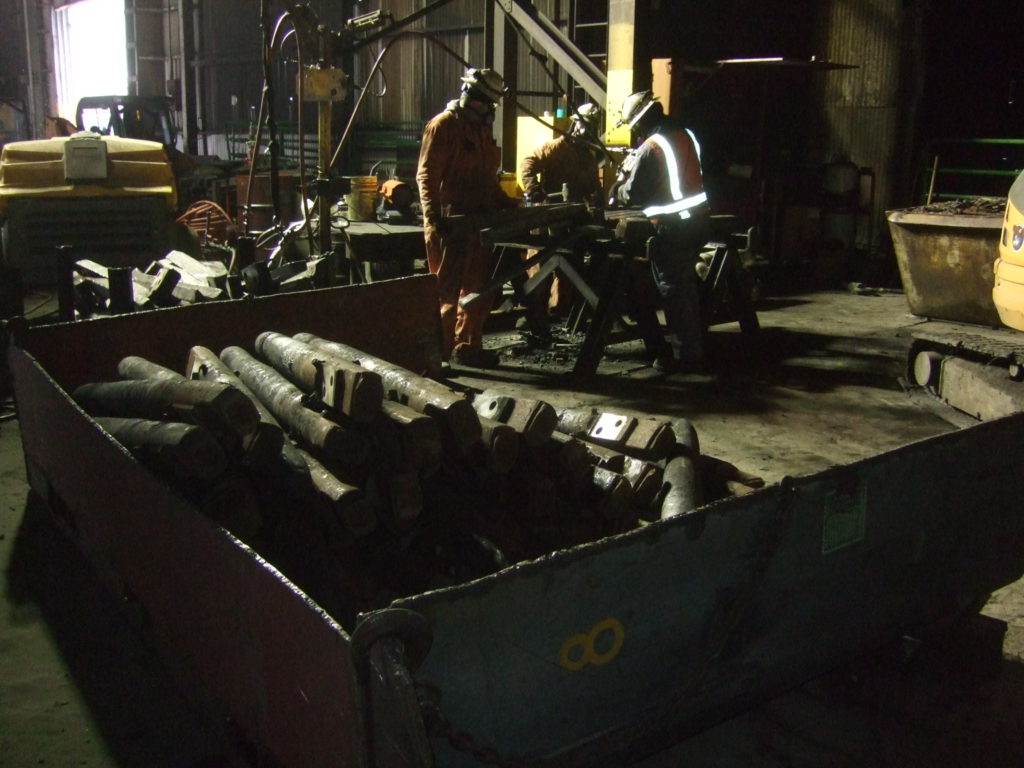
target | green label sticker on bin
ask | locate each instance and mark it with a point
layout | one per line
(844, 519)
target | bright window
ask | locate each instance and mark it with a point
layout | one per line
(90, 52)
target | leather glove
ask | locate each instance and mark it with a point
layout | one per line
(536, 196)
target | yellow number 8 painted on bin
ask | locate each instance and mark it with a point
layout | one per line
(574, 660)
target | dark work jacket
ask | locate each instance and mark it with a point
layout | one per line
(665, 175)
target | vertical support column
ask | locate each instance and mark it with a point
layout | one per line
(510, 71)
(131, 31)
(501, 52)
(325, 145)
(188, 75)
(30, 85)
(629, 68)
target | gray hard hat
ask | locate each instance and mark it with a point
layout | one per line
(587, 119)
(484, 82)
(635, 106)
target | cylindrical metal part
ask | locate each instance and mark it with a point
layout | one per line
(650, 439)
(285, 401)
(187, 452)
(343, 385)
(262, 447)
(927, 367)
(645, 478)
(576, 421)
(219, 407)
(615, 494)
(602, 456)
(453, 411)
(570, 459)
(682, 493)
(535, 420)
(346, 503)
(686, 435)
(134, 367)
(418, 436)
(501, 443)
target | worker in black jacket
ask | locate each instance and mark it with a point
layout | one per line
(663, 177)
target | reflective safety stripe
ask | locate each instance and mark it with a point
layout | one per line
(696, 144)
(680, 205)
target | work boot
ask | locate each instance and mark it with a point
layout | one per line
(474, 357)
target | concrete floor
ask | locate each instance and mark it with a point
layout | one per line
(819, 386)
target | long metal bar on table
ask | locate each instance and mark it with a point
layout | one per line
(507, 224)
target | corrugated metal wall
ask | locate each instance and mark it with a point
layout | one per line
(862, 109)
(532, 75)
(421, 77)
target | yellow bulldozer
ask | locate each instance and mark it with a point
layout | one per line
(105, 198)
(1008, 292)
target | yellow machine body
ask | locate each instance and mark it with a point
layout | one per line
(134, 167)
(109, 199)
(1008, 290)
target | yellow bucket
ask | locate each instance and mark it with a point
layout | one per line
(362, 198)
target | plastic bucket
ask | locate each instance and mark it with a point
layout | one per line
(362, 199)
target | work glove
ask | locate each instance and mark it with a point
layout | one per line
(613, 193)
(536, 196)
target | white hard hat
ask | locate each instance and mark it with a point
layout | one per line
(485, 82)
(587, 119)
(635, 106)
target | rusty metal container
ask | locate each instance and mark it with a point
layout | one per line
(946, 263)
(612, 647)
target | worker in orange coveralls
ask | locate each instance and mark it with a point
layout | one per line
(566, 168)
(458, 174)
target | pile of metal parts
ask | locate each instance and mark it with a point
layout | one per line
(366, 482)
(176, 279)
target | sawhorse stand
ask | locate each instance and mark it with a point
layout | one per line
(723, 293)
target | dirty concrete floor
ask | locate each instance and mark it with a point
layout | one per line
(819, 386)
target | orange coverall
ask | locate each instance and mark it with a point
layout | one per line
(458, 174)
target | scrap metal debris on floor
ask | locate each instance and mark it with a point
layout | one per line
(974, 206)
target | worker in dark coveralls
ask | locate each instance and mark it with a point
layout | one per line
(566, 167)
(458, 174)
(663, 177)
